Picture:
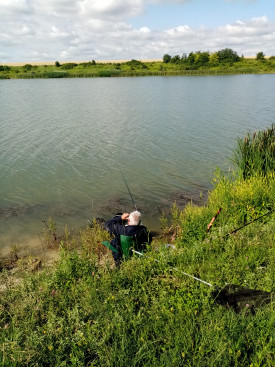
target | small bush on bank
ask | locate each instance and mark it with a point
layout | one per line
(68, 66)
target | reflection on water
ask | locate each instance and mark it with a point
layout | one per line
(62, 140)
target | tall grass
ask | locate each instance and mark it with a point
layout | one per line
(256, 153)
(83, 311)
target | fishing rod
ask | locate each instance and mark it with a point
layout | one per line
(252, 221)
(127, 186)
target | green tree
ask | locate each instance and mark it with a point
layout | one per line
(228, 55)
(214, 59)
(260, 56)
(184, 57)
(175, 59)
(57, 64)
(191, 58)
(166, 58)
(201, 58)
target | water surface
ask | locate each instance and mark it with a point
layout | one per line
(62, 143)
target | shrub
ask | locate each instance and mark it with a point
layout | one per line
(68, 66)
(27, 67)
(242, 200)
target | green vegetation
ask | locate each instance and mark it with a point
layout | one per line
(84, 312)
(256, 153)
(225, 61)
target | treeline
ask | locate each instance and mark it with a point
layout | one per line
(222, 62)
(198, 59)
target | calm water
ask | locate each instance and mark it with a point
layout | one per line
(62, 142)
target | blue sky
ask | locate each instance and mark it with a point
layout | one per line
(208, 13)
(83, 30)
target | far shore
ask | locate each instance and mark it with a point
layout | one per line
(41, 63)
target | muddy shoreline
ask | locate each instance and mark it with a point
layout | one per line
(26, 244)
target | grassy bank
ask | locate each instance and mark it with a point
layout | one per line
(84, 312)
(135, 68)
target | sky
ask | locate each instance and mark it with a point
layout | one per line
(86, 30)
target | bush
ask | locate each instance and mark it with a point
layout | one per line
(4, 68)
(68, 66)
(27, 67)
(242, 200)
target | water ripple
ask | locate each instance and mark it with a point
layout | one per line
(61, 141)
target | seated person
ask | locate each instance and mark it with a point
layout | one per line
(133, 228)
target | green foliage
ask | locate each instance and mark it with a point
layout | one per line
(196, 63)
(201, 58)
(82, 313)
(166, 58)
(4, 68)
(260, 56)
(108, 73)
(256, 153)
(135, 64)
(54, 74)
(68, 66)
(242, 200)
(27, 67)
(228, 55)
(191, 223)
(214, 59)
(175, 59)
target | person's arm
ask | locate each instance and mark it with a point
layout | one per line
(113, 225)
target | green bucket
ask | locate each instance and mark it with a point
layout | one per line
(126, 243)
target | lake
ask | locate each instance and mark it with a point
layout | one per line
(67, 143)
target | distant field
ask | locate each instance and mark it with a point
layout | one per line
(39, 63)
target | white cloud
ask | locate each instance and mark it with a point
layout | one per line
(14, 6)
(40, 30)
(180, 31)
(118, 9)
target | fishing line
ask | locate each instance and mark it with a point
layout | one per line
(180, 271)
(127, 186)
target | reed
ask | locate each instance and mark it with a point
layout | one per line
(256, 153)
